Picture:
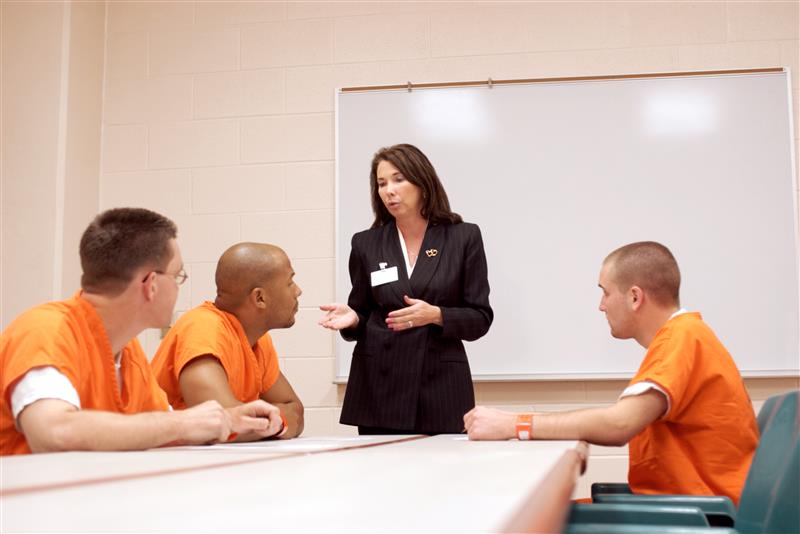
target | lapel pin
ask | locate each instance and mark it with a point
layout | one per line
(431, 252)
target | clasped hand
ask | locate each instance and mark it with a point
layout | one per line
(257, 417)
(209, 422)
(417, 313)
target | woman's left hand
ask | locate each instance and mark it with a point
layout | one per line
(417, 313)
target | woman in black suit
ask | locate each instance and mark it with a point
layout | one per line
(420, 287)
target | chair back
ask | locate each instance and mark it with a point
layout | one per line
(769, 501)
(766, 412)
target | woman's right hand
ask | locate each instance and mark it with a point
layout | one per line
(338, 316)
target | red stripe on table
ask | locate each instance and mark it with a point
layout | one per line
(180, 470)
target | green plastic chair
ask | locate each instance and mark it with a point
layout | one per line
(640, 528)
(769, 500)
(631, 528)
(767, 411)
(651, 514)
(719, 511)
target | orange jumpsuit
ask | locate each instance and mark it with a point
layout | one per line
(705, 443)
(207, 330)
(69, 335)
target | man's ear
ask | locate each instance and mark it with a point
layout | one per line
(149, 288)
(636, 295)
(259, 298)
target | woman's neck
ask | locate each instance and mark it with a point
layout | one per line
(412, 226)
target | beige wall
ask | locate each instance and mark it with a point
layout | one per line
(52, 65)
(31, 35)
(220, 115)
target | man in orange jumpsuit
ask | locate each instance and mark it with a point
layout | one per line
(74, 377)
(686, 416)
(222, 350)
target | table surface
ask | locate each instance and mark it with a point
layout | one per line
(442, 483)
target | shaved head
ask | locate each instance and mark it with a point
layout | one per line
(242, 268)
(649, 265)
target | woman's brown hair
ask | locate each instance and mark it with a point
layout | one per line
(417, 169)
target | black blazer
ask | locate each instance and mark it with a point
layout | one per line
(416, 379)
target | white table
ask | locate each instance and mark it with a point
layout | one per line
(369, 484)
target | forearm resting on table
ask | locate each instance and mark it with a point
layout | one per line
(611, 426)
(594, 425)
(53, 426)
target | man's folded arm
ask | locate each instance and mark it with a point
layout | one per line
(282, 395)
(204, 379)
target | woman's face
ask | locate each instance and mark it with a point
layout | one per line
(401, 197)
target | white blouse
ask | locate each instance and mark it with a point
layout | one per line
(409, 267)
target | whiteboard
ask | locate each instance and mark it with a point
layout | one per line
(559, 174)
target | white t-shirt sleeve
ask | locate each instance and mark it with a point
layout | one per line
(642, 387)
(42, 383)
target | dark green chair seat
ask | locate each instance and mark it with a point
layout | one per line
(614, 488)
(637, 514)
(608, 528)
(719, 510)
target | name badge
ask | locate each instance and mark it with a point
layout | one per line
(383, 276)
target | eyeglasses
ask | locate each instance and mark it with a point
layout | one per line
(180, 277)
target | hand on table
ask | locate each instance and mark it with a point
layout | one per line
(484, 423)
(257, 417)
(207, 422)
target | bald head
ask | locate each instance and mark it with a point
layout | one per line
(243, 267)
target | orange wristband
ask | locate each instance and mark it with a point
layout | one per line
(284, 426)
(525, 426)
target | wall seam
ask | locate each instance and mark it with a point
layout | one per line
(61, 157)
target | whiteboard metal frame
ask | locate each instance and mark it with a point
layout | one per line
(489, 82)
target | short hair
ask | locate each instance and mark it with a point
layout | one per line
(120, 241)
(649, 265)
(417, 169)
